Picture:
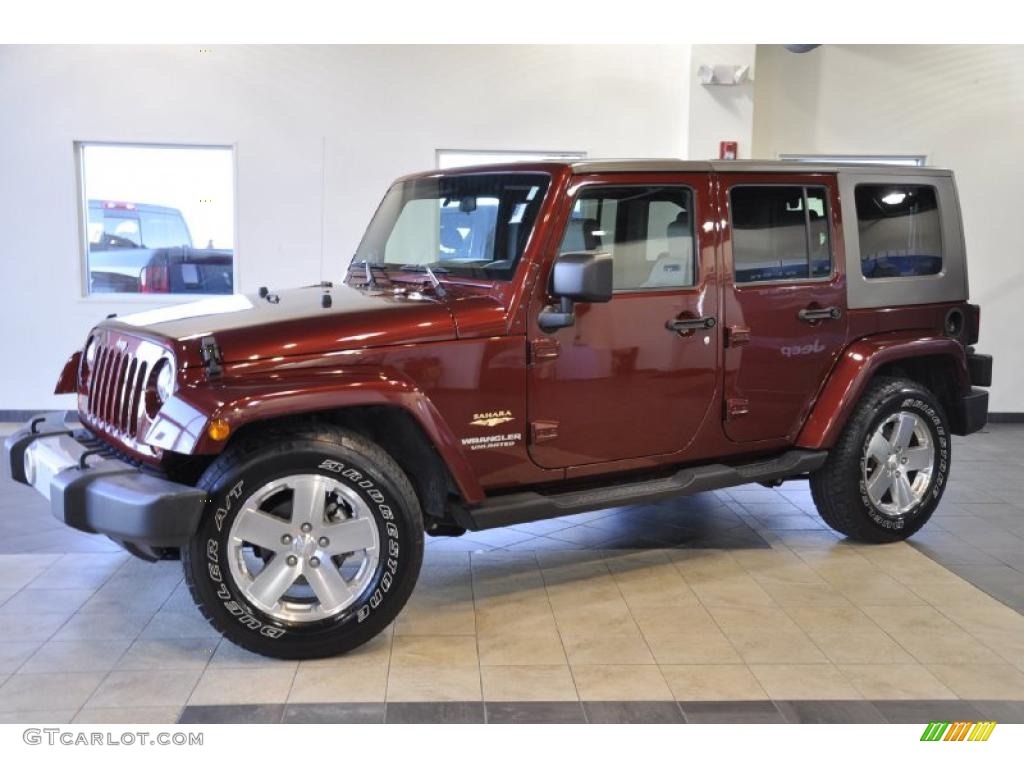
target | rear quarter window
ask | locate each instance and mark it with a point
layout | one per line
(899, 230)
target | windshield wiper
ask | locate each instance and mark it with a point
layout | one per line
(371, 271)
(425, 268)
(434, 282)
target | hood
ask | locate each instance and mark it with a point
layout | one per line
(248, 327)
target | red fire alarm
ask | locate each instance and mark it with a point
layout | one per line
(728, 150)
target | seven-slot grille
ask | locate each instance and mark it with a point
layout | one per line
(115, 391)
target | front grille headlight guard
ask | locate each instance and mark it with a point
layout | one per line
(162, 384)
(165, 380)
(88, 360)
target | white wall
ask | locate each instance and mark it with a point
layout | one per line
(383, 111)
(721, 112)
(963, 107)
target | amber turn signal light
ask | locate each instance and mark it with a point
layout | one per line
(218, 430)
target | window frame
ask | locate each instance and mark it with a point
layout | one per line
(942, 239)
(695, 285)
(505, 156)
(82, 207)
(909, 161)
(833, 271)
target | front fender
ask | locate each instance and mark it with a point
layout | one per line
(67, 382)
(181, 424)
(854, 369)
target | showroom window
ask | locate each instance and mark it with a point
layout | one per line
(457, 158)
(647, 230)
(157, 219)
(899, 230)
(779, 233)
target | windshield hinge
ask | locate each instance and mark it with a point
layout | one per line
(210, 353)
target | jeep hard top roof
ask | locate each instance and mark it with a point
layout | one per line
(598, 165)
(671, 165)
(949, 285)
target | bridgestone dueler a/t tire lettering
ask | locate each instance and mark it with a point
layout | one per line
(839, 489)
(344, 457)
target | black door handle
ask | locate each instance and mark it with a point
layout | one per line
(814, 315)
(691, 324)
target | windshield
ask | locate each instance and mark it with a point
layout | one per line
(474, 225)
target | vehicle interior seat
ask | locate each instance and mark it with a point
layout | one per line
(675, 267)
(580, 236)
(771, 246)
(453, 244)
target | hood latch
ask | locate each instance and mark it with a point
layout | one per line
(211, 355)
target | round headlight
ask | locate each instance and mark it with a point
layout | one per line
(90, 351)
(88, 359)
(165, 381)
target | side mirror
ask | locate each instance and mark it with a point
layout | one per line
(577, 276)
(583, 276)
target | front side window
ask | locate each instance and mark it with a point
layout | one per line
(647, 230)
(158, 219)
(476, 225)
(899, 230)
(780, 233)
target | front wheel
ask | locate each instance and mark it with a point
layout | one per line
(312, 544)
(886, 474)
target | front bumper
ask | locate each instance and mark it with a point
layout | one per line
(94, 493)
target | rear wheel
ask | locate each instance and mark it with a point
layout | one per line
(311, 547)
(886, 474)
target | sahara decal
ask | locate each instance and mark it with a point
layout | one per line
(491, 418)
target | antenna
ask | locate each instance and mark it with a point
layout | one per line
(323, 199)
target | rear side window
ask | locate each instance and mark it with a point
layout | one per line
(109, 230)
(898, 226)
(780, 233)
(164, 230)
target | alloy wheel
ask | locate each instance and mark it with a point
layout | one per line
(897, 464)
(303, 548)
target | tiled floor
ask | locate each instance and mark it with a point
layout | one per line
(731, 606)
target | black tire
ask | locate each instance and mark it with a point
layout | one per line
(344, 457)
(839, 488)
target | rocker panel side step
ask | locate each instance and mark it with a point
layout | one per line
(530, 506)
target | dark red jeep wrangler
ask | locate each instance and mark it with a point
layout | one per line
(518, 342)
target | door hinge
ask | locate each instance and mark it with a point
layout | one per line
(736, 407)
(543, 431)
(544, 349)
(737, 335)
